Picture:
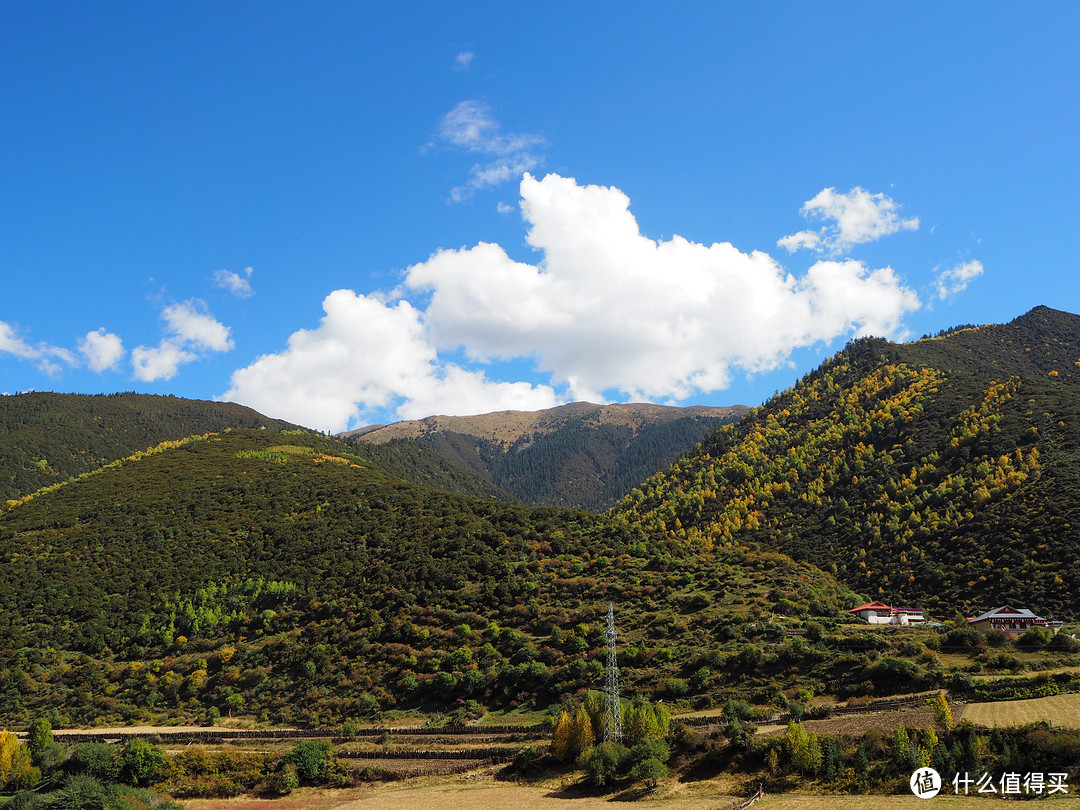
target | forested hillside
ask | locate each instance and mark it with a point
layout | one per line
(46, 438)
(578, 455)
(284, 576)
(944, 472)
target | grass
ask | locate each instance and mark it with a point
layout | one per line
(1060, 710)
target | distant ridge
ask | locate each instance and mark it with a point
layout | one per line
(579, 455)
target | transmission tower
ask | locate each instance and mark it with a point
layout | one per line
(613, 713)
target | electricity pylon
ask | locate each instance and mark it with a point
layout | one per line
(613, 712)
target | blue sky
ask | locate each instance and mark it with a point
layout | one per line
(345, 213)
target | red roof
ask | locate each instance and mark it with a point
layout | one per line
(871, 606)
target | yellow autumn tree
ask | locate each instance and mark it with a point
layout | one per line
(582, 736)
(560, 740)
(16, 770)
(942, 712)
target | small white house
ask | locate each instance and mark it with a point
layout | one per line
(880, 613)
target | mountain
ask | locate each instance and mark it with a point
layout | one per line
(46, 438)
(284, 576)
(943, 473)
(579, 455)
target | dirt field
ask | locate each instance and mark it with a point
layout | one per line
(1060, 710)
(481, 792)
(885, 722)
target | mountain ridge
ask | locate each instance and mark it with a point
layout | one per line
(943, 471)
(48, 437)
(579, 455)
(507, 427)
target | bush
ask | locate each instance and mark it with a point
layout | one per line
(96, 760)
(676, 687)
(287, 780)
(27, 800)
(310, 757)
(1063, 642)
(737, 710)
(141, 763)
(1034, 638)
(80, 793)
(649, 771)
(650, 749)
(603, 762)
(891, 674)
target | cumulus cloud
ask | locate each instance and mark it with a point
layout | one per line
(238, 285)
(47, 358)
(365, 354)
(954, 280)
(160, 362)
(464, 60)
(857, 217)
(102, 350)
(191, 332)
(192, 324)
(471, 126)
(605, 312)
(610, 309)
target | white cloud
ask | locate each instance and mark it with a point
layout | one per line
(606, 309)
(471, 126)
(160, 362)
(191, 331)
(955, 280)
(857, 216)
(367, 354)
(464, 60)
(610, 309)
(238, 285)
(11, 343)
(47, 358)
(102, 350)
(193, 325)
(604, 312)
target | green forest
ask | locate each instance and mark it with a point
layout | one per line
(942, 472)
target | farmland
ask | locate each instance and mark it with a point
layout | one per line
(482, 792)
(1059, 710)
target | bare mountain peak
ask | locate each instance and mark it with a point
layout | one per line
(506, 427)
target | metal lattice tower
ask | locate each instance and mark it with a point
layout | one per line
(613, 710)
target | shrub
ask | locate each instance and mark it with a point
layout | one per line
(287, 780)
(649, 771)
(310, 757)
(893, 674)
(1064, 643)
(80, 793)
(1034, 638)
(603, 762)
(141, 763)
(738, 710)
(28, 800)
(96, 760)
